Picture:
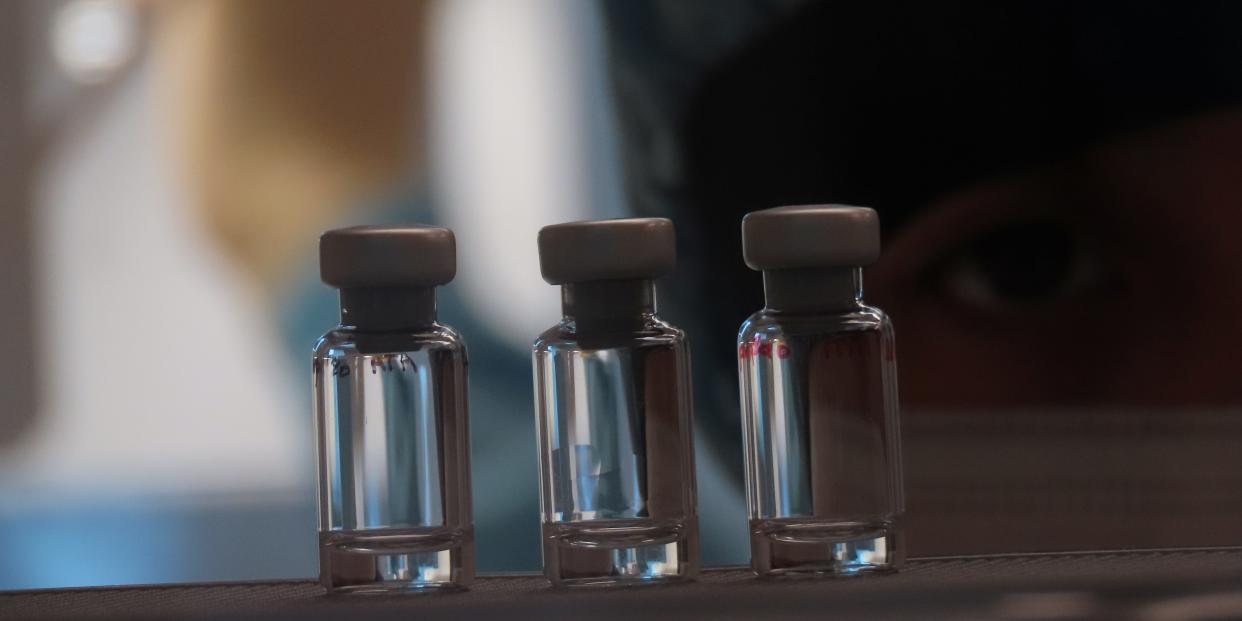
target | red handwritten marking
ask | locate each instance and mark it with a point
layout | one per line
(756, 348)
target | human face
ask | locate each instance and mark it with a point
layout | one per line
(1113, 277)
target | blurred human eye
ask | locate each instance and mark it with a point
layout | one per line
(1026, 265)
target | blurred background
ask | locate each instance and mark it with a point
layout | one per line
(1060, 186)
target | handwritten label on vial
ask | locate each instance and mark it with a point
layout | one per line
(386, 363)
(763, 350)
(391, 362)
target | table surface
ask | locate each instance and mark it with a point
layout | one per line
(1154, 584)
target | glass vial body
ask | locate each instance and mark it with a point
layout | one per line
(393, 459)
(616, 454)
(822, 442)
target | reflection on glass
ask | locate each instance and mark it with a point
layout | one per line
(616, 456)
(394, 460)
(823, 457)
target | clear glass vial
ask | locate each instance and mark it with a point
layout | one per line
(613, 409)
(818, 381)
(391, 417)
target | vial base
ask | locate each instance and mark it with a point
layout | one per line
(815, 547)
(620, 552)
(396, 560)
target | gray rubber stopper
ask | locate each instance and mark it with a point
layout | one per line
(629, 248)
(387, 256)
(810, 236)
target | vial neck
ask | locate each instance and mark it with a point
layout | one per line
(381, 309)
(599, 306)
(813, 290)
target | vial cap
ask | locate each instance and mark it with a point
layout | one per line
(607, 250)
(387, 256)
(810, 236)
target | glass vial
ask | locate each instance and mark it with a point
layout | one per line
(613, 409)
(391, 417)
(818, 381)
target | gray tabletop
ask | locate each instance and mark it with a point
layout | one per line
(1156, 584)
